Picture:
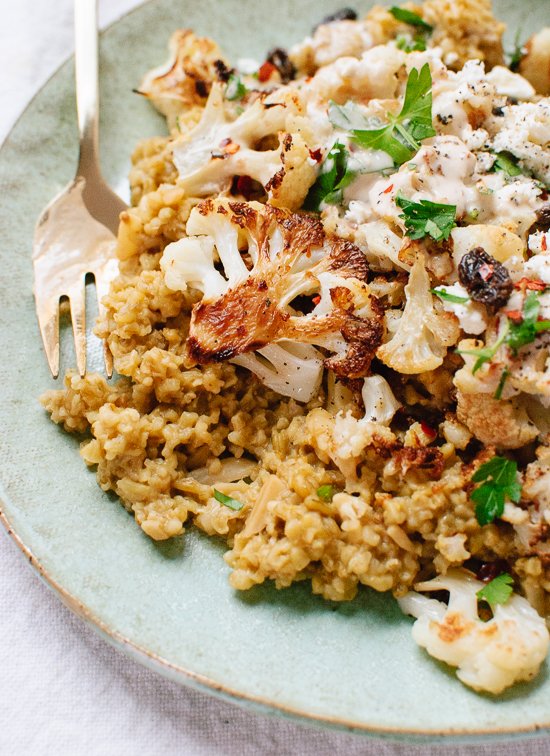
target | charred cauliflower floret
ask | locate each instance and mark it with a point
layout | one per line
(502, 422)
(270, 259)
(490, 656)
(423, 334)
(185, 79)
(218, 149)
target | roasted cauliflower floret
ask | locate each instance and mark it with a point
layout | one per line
(185, 79)
(218, 148)
(535, 64)
(271, 257)
(490, 656)
(423, 334)
(503, 422)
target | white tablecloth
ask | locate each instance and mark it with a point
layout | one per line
(63, 691)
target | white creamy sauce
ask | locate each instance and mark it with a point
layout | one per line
(441, 171)
(510, 84)
(471, 316)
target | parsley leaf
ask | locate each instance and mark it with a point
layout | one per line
(333, 178)
(235, 89)
(506, 163)
(228, 501)
(348, 117)
(408, 17)
(443, 294)
(411, 44)
(517, 53)
(525, 332)
(401, 136)
(427, 218)
(497, 591)
(325, 492)
(502, 381)
(486, 353)
(499, 476)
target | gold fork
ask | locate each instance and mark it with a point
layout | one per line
(75, 234)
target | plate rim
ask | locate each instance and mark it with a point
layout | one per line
(203, 683)
(179, 674)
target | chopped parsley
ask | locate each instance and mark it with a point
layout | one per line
(235, 89)
(503, 378)
(333, 178)
(408, 17)
(517, 53)
(411, 44)
(498, 590)
(486, 353)
(325, 492)
(443, 294)
(525, 331)
(427, 218)
(516, 333)
(498, 478)
(506, 163)
(402, 135)
(228, 501)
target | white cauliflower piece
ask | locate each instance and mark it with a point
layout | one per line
(329, 42)
(186, 77)
(535, 64)
(218, 148)
(289, 368)
(271, 257)
(510, 84)
(423, 335)
(471, 315)
(343, 438)
(380, 403)
(490, 656)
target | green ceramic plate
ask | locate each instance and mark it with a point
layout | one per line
(169, 605)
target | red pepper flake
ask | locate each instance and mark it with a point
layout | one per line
(388, 189)
(244, 186)
(428, 430)
(316, 155)
(543, 244)
(529, 283)
(266, 70)
(316, 299)
(516, 316)
(232, 148)
(486, 271)
(225, 142)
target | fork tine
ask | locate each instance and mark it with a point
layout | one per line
(76, 296)
(48, 320)
(103, 277)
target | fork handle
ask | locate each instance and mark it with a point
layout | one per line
(87, 89)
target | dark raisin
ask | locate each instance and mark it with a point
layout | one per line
(345, 14)
(279, 58)
(223, 72)
(488, 571)
(486, 280)
(543, 220)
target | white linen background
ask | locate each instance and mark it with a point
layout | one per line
(63, 691)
